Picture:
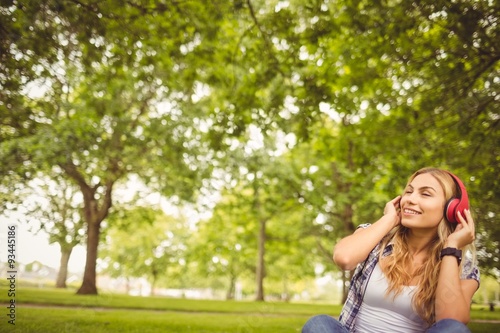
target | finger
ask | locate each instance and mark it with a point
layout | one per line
(467, 224)
(396, 202)
(469, 218)
(463, 223)
(461, 218)
(393, 204)
(466, 220)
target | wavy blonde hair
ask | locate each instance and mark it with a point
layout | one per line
(396, 265)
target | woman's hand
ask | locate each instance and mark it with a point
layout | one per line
(393, 209)
(464, 233)
(355, 248)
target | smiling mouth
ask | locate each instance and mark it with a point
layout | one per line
(411, 211)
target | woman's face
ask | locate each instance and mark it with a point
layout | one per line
(422, 203)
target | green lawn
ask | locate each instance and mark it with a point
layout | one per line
(110, 313)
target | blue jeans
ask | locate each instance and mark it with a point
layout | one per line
(328, 324)
(323, 324)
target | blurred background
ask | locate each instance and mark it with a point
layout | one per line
(220, 149)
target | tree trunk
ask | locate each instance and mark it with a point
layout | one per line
(94, 215)
(285, 295)
(348, 230)
(231, 290)
(260, 272)
(62, 275)
(154, 275)
(127, 285)
(261, 240)
(88, 286)
(346, 277)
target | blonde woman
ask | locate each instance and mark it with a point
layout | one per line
(415, 267)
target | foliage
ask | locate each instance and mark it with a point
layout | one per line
(96, 120)
(144, 242)
(51, 205)
(361, 93)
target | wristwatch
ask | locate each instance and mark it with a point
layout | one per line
(451, 251)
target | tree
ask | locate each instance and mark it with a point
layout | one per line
(410, 84)
(52, 205)
(61, 220)
(163, 91)
(260, 215)
(224, 246)
(112, 104)
(443, 66)
(154, 251)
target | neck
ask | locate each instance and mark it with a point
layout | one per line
(418, 241)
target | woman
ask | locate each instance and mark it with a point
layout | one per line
(410, 275)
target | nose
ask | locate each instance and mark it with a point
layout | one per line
(409, 197)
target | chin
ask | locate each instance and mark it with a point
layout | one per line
(405, 222)
(409, 223)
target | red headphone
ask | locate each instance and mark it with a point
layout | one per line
(455, 205)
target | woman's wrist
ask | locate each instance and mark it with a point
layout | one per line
(391, 220)
(451, 243)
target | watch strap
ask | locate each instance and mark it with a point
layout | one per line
(451, 251)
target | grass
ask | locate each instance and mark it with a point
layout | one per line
(60, 311)
(87, 320)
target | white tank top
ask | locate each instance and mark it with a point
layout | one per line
(381, 314)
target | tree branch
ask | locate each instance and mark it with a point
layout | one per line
(269, 48)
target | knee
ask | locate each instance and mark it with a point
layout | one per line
(449, 325)
(317, 323)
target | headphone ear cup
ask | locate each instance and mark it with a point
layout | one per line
(450, 211)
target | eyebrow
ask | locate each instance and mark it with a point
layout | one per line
(423, 188)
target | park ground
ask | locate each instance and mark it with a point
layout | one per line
(50, 310)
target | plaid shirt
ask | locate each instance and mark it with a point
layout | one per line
(362, 275)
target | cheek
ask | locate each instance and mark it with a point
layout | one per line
(437, 210)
